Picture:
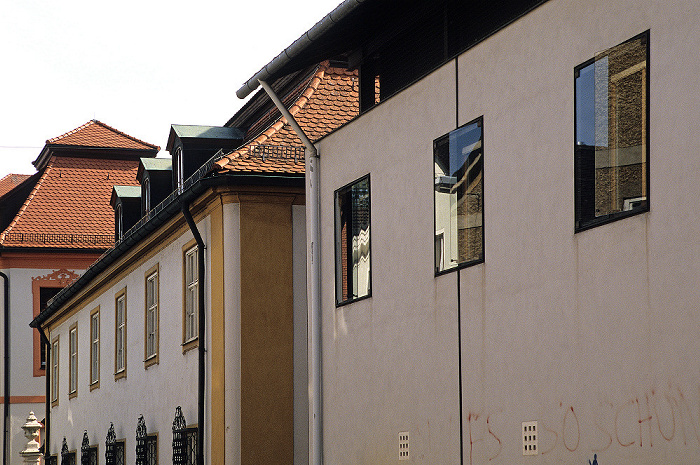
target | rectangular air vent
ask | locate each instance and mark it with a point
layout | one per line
(530, 433)
(404, 453)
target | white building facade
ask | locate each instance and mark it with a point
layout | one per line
(572, 335)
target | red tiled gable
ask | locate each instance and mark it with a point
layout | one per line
(11, 181)
(69, 206)
(330, 100)
(97, 134)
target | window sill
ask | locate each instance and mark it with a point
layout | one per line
(95, 385)
(459, 267)
(73, 394)
(611, 218)
(120, 374)
(351, 301)
(150, 361)
(189, 345)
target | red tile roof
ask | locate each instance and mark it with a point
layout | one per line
(11, 181)
(69, 206)
(330, 100)
(97, 134)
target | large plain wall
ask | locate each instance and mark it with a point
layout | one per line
(592, 334)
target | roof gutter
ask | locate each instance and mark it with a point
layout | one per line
(298, 46)
(139, 231)
(313, 264)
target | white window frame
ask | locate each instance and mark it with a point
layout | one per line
(54, 370)
(73, 360)
(95, 348)
(120, 334)
(191, 297)
(151, 323)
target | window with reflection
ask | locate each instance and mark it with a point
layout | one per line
(352, 242)
(611, 134)
(459, 197)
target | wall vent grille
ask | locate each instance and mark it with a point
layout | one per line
(404, 451)
(530, 434)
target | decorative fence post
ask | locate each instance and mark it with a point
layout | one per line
(179, 440)
(65, 455)
(85, 450)
(109, 445)
(141, 441)
(31, 452)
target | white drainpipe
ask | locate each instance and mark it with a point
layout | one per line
(313, 231)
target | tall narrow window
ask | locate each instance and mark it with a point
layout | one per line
(353, 278)
(178, 168)
(120, 335)
(611, 134)
(73, 360)
(151, 323)
(191, 295)
(54, 371)
(146, 189)
(95, 348)
(118, 222)
(459, 197)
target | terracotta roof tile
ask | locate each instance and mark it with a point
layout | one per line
(69, 206)
(330, 100)
(97, 134)
(11, 181)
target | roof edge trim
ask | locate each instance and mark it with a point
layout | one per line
(297, 46)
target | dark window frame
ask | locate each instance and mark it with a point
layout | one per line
(580, 222)
(480, 122)
(341, 191)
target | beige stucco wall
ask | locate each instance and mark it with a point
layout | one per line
(594, 334)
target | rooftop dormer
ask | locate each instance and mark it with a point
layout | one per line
(155, 176)
(126, 201)
(191, 147)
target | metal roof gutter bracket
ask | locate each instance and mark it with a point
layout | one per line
(313, 264)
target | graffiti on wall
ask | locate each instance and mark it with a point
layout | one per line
(643, 421)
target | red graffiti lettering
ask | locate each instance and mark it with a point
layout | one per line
(564, 430)
(500, 445)
(658, 418)
(617, 429)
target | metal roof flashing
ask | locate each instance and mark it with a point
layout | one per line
(298, 46)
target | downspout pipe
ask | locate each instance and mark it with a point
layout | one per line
(6, 371)
(201, 326)
(313, 255)
(47, 401)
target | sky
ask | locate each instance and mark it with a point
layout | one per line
(136, 65)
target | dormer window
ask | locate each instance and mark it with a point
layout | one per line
(191, 146)
(126, 201)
